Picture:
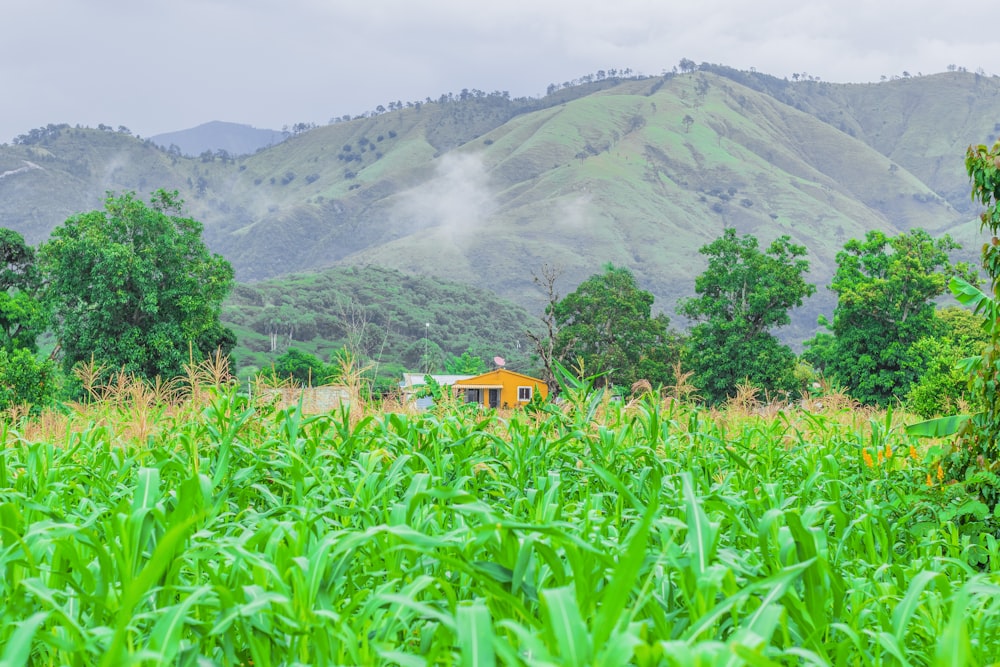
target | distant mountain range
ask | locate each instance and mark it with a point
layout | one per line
(483, 189)
(219, 137)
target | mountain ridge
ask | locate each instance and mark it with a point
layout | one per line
(640, 172)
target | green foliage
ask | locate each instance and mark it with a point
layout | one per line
(467, 364)
(942, 385)
(744, 293)
(304, 368)
(606, 326)
(590, 533)
(22, 316)
(380, 315)
(975, 457)
(885, 304)
(134, 287)
(26, 380)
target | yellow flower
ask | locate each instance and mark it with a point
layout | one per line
(868, 458)
(930, 482)
(913, 452)
(888, 451)
(940, 473)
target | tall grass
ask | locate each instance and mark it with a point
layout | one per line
(222, 532)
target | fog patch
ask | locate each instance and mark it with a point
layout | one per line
(115, 167)
(458, 199)
(574, 212)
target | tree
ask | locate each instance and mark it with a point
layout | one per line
(24, 379)
(885, 303)
(304, 368)
(545, 342)
(134, 287)
(606, 325)
(22, 315)
(941, 385)
(744, 293)
(467, 364)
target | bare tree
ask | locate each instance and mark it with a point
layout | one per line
(545, 342)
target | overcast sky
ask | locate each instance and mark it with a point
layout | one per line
(162, 65)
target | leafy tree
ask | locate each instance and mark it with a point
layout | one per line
(302, 367)
(467, 364)
(606, 324)
(134, 287)
(26, 380)
(885, 303)
(941, 385)
(22, 314)
(744, 293)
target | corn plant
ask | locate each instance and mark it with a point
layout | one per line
(597, 533)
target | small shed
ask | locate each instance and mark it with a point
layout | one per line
(501, 388)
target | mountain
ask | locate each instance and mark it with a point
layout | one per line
(216, 136)
(483, 189)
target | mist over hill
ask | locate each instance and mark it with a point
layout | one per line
(483, 189)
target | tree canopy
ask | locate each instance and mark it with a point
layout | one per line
(22, 315)
(134, 287)
(743, 294)
(607, 325)
(885, 288)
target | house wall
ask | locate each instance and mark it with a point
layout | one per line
(509, 381)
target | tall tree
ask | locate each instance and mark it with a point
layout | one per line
(743, 294)
(885, 288)
(134, 286)
(608, 326)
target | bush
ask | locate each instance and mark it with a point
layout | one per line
(24, 380)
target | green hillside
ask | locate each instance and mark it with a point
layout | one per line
(390, 320)
(485, 190)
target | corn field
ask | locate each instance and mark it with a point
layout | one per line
(593, 533)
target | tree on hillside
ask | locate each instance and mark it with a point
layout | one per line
(606, 326)
(885, 303)
(134, 287)
(744, 294)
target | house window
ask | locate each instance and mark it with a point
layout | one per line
(524, 394)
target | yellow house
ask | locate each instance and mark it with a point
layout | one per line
(501, 389)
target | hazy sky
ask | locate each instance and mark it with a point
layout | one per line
(162, 65)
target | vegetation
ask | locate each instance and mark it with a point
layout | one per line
(134, 288)
(606, 327)
(601, 170)
(886, 289)
(207, 528)
(744, 294)
(385, 319)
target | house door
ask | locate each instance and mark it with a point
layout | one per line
(494, 397)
